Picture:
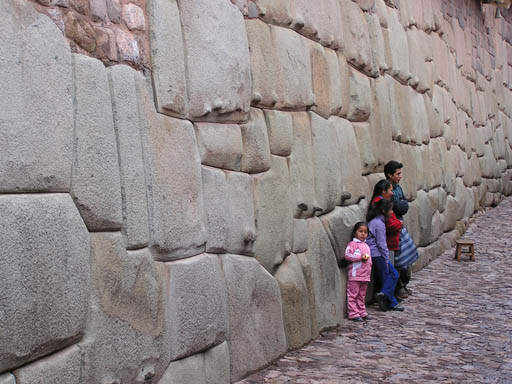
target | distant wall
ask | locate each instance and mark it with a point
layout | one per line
(178, 219)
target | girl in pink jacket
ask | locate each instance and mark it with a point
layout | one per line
(359, 272)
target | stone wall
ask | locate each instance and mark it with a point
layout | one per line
(181, 225)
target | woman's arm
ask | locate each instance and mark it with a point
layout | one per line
(393, 225)
(380, 239)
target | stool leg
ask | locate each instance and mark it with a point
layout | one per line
(459, 250)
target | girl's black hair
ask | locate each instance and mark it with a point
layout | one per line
(381, 186)
(381, 207)
(357, 226)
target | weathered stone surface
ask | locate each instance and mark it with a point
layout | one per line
(255, 315)
(197, 307)
(133, 17)
(349, 160)
(114, 11)
(326, 166)
(339, 224)
(329, 299)
(220, 92)
(378, 46)
(360, 105)
(335, 84)
(96, 185)
(256, 148)
(167, 57)
(301, 166)
(61, 367)
(382, 119)
(320, 80)
(300, 236)
(209, 367)
(410, 158)
(264, 64)
(294, 65)
(173, 176)
(44, 267)
(294, 295)
(36, 117)
(272, 11)
(242, 231)
(344, 74)
(98, 10)
(127, 124)
(126, 324)
(220, 145)
(364, 142)
(280, 132)
(397, 48)
(128, 48)
(356, 39)
(274, 215)
(425, 213)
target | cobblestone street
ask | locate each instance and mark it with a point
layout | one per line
(457, 326)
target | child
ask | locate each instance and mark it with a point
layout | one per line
(377, 213)
(359, 272)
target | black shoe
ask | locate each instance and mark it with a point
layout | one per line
(397, 308)
(366, 318)
(357, 319)
(383, 301)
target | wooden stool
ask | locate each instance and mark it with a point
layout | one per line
(466, 247)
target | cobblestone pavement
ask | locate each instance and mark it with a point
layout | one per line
(457, 327)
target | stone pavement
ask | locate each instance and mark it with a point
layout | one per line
(457, 326)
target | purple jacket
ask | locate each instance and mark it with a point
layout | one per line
(377, 238)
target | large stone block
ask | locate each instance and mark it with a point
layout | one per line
(220, 145)
(280, 132)
(61, 367)
(344, 74)
(256, 334)
(300, 236)
(273, 211)
(326, 165)
(256, 148)
(96, 185)
(274, 12)
(209, 367)
(425, 213)
(327, 285)
(264, 64)
(320, 80)
(167, 57)
(294, 66)
(338, 225)
(336, 87)
(385, 117)
(411, 159)
(364, 142)
(127, 124)
(173, 176)
(397, 48)
(36, 117)
(295, 299)
(217, 60)
(44, 269)
(356, 39)
(360, 105)
(127, 321)
(349, 159)
(378, 47)
(197, 305)
(301, 166)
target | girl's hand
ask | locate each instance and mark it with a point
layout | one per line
(365, 257)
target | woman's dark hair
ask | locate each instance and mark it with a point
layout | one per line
(391, 167)
(380, 207)
(381, 186)
(357, 226)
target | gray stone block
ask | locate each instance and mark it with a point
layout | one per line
(256, 334)
(256, 149)
(300, 236)
(360, 105)
(274, 215)
(44, 269)
(280, 132)
(216, 365)
(196, 305)
(296, 308)
(425, 213)
(36, 118)
(124, 340)
(61, 367)
(96, 185)
(173, 175)
(329, 298)
(220, 145)
(167, 57)
(127, 124)
(301, 167)
(220, 92)
(397, 47)
(369, 162)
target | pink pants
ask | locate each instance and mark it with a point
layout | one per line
(356, 294)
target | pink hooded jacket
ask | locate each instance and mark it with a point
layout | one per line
(358, 270)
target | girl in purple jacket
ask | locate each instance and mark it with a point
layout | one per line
(377, 214)
(359, 272)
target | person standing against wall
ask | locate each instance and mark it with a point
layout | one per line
(393, 173)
